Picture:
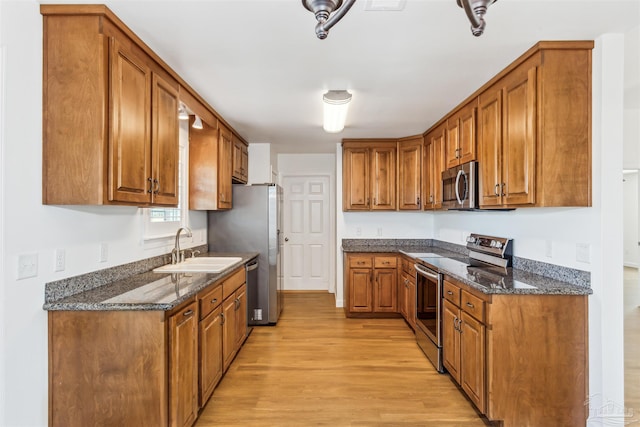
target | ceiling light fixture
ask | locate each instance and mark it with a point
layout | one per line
(182, 113)
(336, 105)
(323, 9)
(475, 10)
(197, 123)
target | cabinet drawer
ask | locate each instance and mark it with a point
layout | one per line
(360, 262)
(233, 282)
(386, 262)
(408, 267)
(451, 293)
(210, 300)
(472, 305)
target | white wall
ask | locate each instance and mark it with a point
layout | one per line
(632, 99)
(30, 227)
(260, 164)
(630, 217)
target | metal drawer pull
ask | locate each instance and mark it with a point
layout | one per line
(187, 313)
(470, 305)
(215, 300)
(449, 293)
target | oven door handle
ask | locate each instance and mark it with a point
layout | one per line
(425, 272)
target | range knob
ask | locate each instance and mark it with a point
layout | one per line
(471, 239)
(496, 244)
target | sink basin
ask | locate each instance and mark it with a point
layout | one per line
(199, 265)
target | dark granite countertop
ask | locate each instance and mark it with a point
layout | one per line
(454, 263)
(147, 291)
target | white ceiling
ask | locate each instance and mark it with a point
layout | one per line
(260, 65)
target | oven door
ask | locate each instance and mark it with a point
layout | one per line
(429, 314)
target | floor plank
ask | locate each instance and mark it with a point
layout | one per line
(318, 368)
(632, 341)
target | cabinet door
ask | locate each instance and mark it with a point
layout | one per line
(386, 290)
(245, 163)
(203, 167)
(410, 164)
(228, 330)
(237, 159)
(451, 158)
(383, 178)
(451, 340)
(360, 290)
(241, 315)
(210, 354)
(519, 143)
(490, 147)
(472, 357)
(165, 146)
(438, 142)
(402, 295)
(427, 174)
(355, 178)
(224, 169)
(411, 304)
(130, 136)
(183, 367)
(467, 135)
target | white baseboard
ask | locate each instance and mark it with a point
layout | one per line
(339, 303)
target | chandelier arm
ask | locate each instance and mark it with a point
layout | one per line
(337, 16)
(477, 22)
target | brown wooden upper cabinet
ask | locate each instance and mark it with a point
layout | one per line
(461, 135)
(240, 161)
(433, 166)
(534, 130)
(110, 125)
(210, 167)
(369, 175)
(410, 173)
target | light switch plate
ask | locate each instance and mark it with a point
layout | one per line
(548, 248)
(27, 266)
(104, 252)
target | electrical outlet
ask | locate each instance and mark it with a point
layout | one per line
(104, 252)
(583, 253)
(548, 248)
(379, 231)
(27, 266)
(59, 260)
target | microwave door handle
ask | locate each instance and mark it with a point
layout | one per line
(460, 173)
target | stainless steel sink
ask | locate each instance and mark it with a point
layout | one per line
(199, 265)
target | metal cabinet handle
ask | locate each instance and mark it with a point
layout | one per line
(187, 313)
(223, 318)
(150, 185)
(215, 300)
(470, 305)
(503, 187)
(374, 202)
(430, 198)
(157, 189)
(449, 293)
(495, 190)
(418, 201)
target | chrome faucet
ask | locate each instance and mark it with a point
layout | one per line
(176, 254)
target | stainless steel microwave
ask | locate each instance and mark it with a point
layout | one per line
(460, 187)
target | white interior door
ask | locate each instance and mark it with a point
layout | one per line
(306, 232)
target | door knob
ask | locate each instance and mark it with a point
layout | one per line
(286, 239)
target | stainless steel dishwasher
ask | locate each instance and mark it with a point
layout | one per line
(254, 312)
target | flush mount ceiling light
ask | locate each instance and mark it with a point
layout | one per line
(323, 9)
(475, 10)
(182, 113)
(197, 123)
(336, 105)
(329, 12)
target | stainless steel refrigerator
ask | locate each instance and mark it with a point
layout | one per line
(253, 225)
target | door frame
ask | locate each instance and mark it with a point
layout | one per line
(332, 219)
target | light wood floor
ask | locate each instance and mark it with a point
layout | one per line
(632, 340)
(317, 368)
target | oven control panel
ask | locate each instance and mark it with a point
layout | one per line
(497, 246)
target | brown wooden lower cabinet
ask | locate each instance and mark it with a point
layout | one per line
(407, 291)
(521, 359)
(371, 285)
(135, 368)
